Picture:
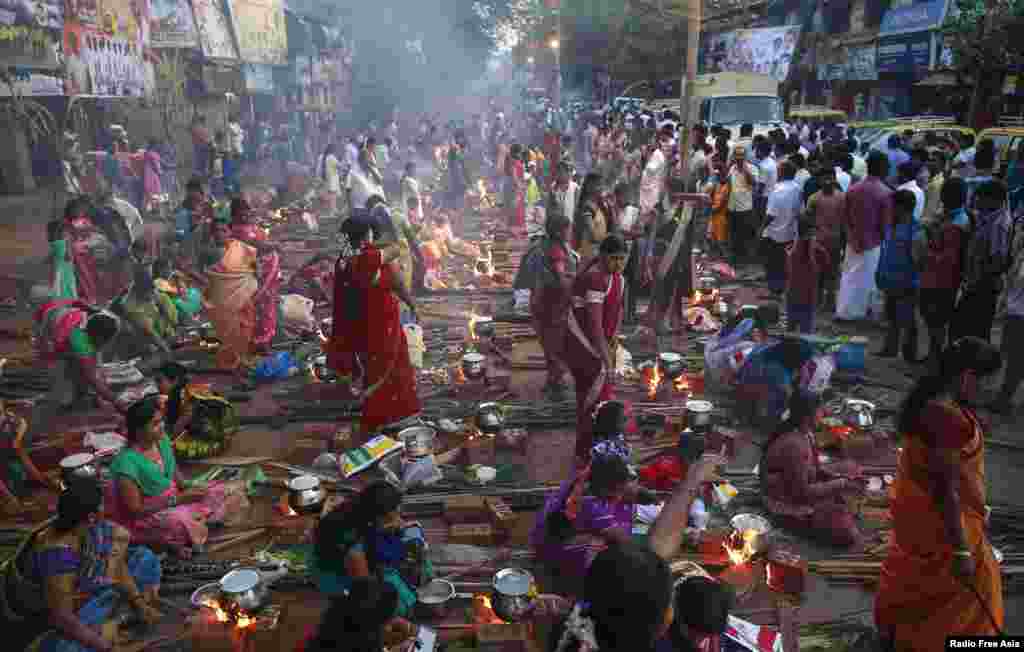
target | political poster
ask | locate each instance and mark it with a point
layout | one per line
(214, 30)
(763, 51)
(171, 24)
(261, 31)
(854, 64)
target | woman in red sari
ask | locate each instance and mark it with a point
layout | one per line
(78, 230)
(593, 325)
(244, 228)
(551, 299)
(368, 339)
(515, 186)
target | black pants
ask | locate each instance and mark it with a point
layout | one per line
(901, 313)
(975, 312)
(742, 234)
(773, 257)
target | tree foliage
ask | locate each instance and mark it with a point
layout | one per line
(992, 49)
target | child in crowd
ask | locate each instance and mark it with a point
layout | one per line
(807, 260)
(897, 278)
(220, 148)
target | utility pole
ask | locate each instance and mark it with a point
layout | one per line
(979, 75)
(694, 15)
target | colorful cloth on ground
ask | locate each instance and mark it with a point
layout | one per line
(372, 338)
(270, 285)
(594, 517)
(233, 284)
(77, 233)
(92, 563)
(63, 284)
(60, 330)
(920, 602)
(594, 287)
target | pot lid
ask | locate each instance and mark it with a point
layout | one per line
(699, 406)
(670, 357)
(240, 580)
(473, 357)
(77, 460)
(304, 483)
(513, 582)
(436, 592)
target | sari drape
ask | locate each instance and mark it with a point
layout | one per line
(372, 340)
(77, 234)
(270, 284)
(230, 304)
(920, 602)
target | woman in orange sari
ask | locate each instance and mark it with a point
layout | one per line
(941, 578)
(244, 228)
(368, 339)
(231, 298)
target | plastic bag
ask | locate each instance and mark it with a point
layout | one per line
(816, 373)
(724, 356)
(297, 311)
(275, 367)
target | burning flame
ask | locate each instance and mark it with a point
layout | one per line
(459, 377)
(653, 381)
(483, 611)
(473, 319)
(705, 296)
(481, 188)
(292, 512)
(681, 385)
(219, 613)
(242, 620)
(741, 546)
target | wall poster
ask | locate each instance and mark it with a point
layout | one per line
(214, 30)
(765, 51)
(171, 24)
(260, 28)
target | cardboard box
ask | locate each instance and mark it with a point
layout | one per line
(465, 509)
(474, 534)
(508, 637)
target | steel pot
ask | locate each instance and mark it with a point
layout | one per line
(77, 467)
(434, 598)
(243, 589)
(858, 413)
(473, 365)
(490, 418)
(484, 327)
(706, 283)
(698, 413)
(514, 593)
(418, 440)
(671, 365)
(305, 495)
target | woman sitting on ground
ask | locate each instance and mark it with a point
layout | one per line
(367, 538)
(78, 568)
(798, 490)
(702, 605)
(151, 497)
(365, 620)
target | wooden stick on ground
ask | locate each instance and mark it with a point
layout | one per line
(237, 540)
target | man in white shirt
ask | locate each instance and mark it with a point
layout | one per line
(783, 211)
(907, 177)
(565, 190)
(236, 137)
(746, 141)
(767, 177)
(743, 178)
(843, 177)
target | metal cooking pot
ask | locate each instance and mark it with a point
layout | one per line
(80, 466)
(858, 413)
(706, 283)
(698, 413)
(490, 418)
(243, 588)
(418, 440)
(305, 495)
(434, 597)
(484, 327)
(514, 593)
(473, 365)
(671, 365)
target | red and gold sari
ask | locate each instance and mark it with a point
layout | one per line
(368, 337)
(270, 285)
(596, 294)
(920, 602)
(230, 305)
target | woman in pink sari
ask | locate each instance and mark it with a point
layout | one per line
(231, 298)
(244, 228)
(78, 232)
(152, 168)
(593, 325)
(151, 498)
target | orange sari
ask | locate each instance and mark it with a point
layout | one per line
(230, 305)
(920, 602)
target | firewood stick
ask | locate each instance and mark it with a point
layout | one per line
(238, 540)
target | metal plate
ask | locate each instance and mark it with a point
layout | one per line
(513, 582)
(670, 357)
(699, 406)
(436, 592)
(304, 483)
(240, 580)
(743, 522)
(473, 358)
(77, 460)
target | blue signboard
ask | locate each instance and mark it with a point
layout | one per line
(905, 54)
(913, 17)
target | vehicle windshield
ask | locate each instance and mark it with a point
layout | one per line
(742, 110)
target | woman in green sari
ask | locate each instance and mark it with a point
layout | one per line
(63, 282)
(367, 537)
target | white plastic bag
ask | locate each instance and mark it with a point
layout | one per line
(311, 221)
(297, 311)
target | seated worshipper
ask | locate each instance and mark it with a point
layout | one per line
(231, 298)
(71, 335)
(364, 620)
(245, 228)
(151, 497)
(702, 605)
(367, 338)
(797, 490)
(366, 537)
(591, 344)
(151, 313)
(187, 300)
(70, 581)
(626, 604)
(193, 407)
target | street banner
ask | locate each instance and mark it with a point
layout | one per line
(97, 63)
(764, 51)
(261, 32)
(259, 78)
(171, 24)
(214, 30)
(910, 53)
(907, 16)
(855, 64)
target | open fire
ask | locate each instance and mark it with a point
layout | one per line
(653, 376)
(705, 297)
(483, 611)
(741, 546)
(223, 614)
